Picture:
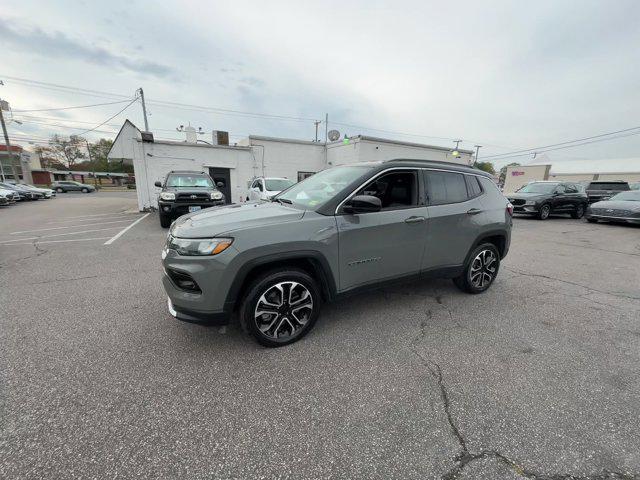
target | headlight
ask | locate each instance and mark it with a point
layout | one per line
(216, 196)
(198, 246)
(168, 196)
(530, 202)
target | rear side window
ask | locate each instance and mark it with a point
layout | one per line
(571, 188)
(473, 186)
(445, 187)
(608, 186)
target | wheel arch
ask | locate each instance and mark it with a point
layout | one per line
(312, 262)
(496, 237)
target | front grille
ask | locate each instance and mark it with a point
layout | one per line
(192, 197)
(517, 201)
(613, 212)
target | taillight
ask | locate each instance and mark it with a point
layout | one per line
(510, 209)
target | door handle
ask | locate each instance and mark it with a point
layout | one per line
(473, 211)
(414, 219)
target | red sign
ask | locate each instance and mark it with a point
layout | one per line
(515, 173)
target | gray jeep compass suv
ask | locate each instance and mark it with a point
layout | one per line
(341, 230)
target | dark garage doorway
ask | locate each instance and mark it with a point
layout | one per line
(222, 175)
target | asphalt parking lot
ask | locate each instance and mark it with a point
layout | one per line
(538, 378)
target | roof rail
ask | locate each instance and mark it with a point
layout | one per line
(439, 162)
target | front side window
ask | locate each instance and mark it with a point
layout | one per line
(186, 180)
(560, 189)
(445, 187)
(315, 191)
(395, 190)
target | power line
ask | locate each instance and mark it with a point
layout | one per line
(538, 149)
(70, 108)
(108, 119)
(65, 88)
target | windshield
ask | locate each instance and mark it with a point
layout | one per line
(189, 181)
(538, 188)
(632, 196)
(316, 190)
(278, 184)
(608, 186)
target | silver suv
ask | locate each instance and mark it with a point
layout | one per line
(342, 230)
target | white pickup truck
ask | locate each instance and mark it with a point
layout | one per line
(263, 188)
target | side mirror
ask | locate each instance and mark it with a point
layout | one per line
(363, 204)
(220, 184)
(158, 184)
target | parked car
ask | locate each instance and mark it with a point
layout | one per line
(345, 229)
(623, 207)
(46, 192)
(64, 186)
(11, 195)
(543, 198)
(185, 191)
(634, 186)
(23, 193)
(264, 188)
(597, 191)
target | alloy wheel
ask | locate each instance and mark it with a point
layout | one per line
(283, 310)
(544, 212)
(483, 269)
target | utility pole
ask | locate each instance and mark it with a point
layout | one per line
(326, 139)
(477, 151)
(316, 123)
(14, 170)
(144, 110)
(95, 180)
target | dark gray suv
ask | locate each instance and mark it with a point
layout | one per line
(342, 230)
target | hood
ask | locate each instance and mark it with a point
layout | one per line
(189, 189)
(215, 221)
(617, 205)
(526, 196)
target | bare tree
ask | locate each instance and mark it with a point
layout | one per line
(68, 150)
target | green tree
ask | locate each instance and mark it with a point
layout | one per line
(503, 171)
(485, 167)
(48, 158)
(99, 151)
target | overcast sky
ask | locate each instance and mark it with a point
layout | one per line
(505, 74)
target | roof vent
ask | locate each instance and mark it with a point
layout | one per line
(220, 137)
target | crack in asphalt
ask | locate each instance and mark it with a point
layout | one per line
(38, 250)
(591, 289)
(466, 456)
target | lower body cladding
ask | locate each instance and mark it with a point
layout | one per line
(197, 286)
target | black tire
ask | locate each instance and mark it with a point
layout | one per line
(468, 280)
(544, 212)
(85, 190)
(579, 212)
(59, 190)
(592, 220)
(275, 332)
(165, 221)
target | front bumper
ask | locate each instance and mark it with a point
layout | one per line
(176, 209)
(633, 220)
(213, 277)
(526, 209)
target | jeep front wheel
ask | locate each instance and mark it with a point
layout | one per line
(280, 307)
(481, 269)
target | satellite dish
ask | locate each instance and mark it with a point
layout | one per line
(334, 135)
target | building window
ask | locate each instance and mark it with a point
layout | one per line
(303, 175)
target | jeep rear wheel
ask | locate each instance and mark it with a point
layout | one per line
(280, 307)
(481, 270)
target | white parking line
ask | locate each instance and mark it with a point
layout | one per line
(17, 242)
(103, 214)
(122, 232)
(90, 219)
(69, 226)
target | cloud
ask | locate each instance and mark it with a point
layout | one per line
(58, 44)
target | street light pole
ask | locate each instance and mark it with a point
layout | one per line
(477, 151)
(144, 110)
(95, 180)
(14, 170)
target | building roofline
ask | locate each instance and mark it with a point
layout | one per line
(119, 132)
(367, 138)
(284, 140)
(199, 145)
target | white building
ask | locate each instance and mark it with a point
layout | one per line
(236, 165)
